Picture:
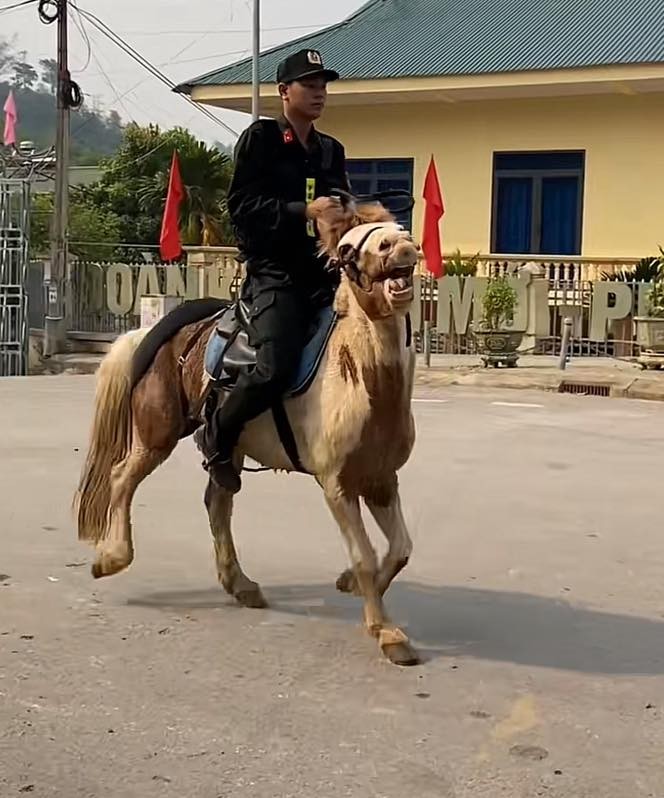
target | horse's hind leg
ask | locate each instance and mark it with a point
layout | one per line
(219, 503)
(116, 551)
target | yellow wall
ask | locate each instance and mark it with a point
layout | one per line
(623, 137)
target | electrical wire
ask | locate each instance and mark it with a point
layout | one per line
(45, 17)
(78, 22)
(17, 5)
(221, 32)
(136, 56)
(69, 90)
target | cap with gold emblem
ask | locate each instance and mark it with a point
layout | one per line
(304, 64)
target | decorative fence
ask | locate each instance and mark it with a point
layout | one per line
(104, 299)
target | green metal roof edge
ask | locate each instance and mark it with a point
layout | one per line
(187, 86)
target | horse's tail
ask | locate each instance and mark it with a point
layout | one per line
(110, 437)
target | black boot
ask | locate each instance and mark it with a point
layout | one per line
(218, 465)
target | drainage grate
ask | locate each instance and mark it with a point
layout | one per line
(585, 388)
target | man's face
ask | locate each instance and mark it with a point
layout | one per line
(305, 97)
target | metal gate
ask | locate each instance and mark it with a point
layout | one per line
(14, 240)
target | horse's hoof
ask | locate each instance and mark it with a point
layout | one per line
(108, 564)
(402, 654)
(252, 598)
(347, 583)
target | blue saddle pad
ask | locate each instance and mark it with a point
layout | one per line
(228, 351)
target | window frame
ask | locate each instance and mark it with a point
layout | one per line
(374, 175)
(537, 176)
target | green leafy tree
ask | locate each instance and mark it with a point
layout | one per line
(25, 75)
(135, 184)
(89, 226)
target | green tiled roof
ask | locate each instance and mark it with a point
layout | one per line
(417, 38)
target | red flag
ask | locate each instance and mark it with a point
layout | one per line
(170, 244)
(433, 213)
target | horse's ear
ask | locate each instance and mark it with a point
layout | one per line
(373, 214)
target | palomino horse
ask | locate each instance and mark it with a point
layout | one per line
(353, 426)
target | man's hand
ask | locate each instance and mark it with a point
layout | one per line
(327, 209)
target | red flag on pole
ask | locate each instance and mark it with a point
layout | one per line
(170, 244)
(433, 213)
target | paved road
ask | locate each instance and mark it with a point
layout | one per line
(536, 593)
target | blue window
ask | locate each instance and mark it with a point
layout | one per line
(537, 203)
(370, 175)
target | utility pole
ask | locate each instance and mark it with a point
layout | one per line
(255, 72)
(55, 331)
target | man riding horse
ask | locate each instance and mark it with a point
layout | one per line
(285, 171)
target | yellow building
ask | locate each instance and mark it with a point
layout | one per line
(546, 119)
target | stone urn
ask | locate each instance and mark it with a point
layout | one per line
(498, 347)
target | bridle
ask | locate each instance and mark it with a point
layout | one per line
(349, 256)
(348, 262)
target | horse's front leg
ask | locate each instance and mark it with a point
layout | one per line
(346, 511)
(385, 506)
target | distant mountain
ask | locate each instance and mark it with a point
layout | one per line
(94, 135)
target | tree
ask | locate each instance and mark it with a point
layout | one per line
(135, 184)
(88, 224)
(49, 73)
(6, 58)
(25, 75)
(206, 175)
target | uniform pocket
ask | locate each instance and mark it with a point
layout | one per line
(261, 303)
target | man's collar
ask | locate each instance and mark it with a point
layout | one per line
(289, 134)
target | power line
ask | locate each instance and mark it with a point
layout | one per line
(17, 5)
(81, 29)
(223, 32)
(132, 53)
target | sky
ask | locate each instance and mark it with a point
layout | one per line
(184, 38)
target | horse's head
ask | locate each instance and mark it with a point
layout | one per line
(377, 256)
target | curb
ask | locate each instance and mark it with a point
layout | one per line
(616, 386)
(625, 387)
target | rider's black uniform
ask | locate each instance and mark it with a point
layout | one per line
(275, 176)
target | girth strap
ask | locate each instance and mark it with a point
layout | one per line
(286, 436)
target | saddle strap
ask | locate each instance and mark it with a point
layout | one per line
(409, 331)
(286, 436)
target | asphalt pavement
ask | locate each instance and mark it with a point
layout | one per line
(535, 594)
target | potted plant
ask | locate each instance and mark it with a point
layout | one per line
(496, 342)
(650, 328)
(458, 266)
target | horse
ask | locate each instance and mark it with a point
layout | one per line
(353, 426)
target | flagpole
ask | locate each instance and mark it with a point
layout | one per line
(255, 71)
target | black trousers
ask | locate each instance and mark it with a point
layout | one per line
(279, 320)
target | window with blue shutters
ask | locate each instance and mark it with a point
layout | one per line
(537, 203)
(370, 175)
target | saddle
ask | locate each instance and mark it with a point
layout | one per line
(229, 352)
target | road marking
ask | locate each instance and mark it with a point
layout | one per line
(432, 401)
(515, 404)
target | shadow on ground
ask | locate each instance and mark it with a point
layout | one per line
(457, 621)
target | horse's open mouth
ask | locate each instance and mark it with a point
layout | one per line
(400, 289)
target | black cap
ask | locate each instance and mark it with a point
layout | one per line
(304, 64)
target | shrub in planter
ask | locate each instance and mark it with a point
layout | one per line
(498, 344)
(650, 328)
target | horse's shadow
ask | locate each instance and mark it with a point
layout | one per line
(492, 625)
